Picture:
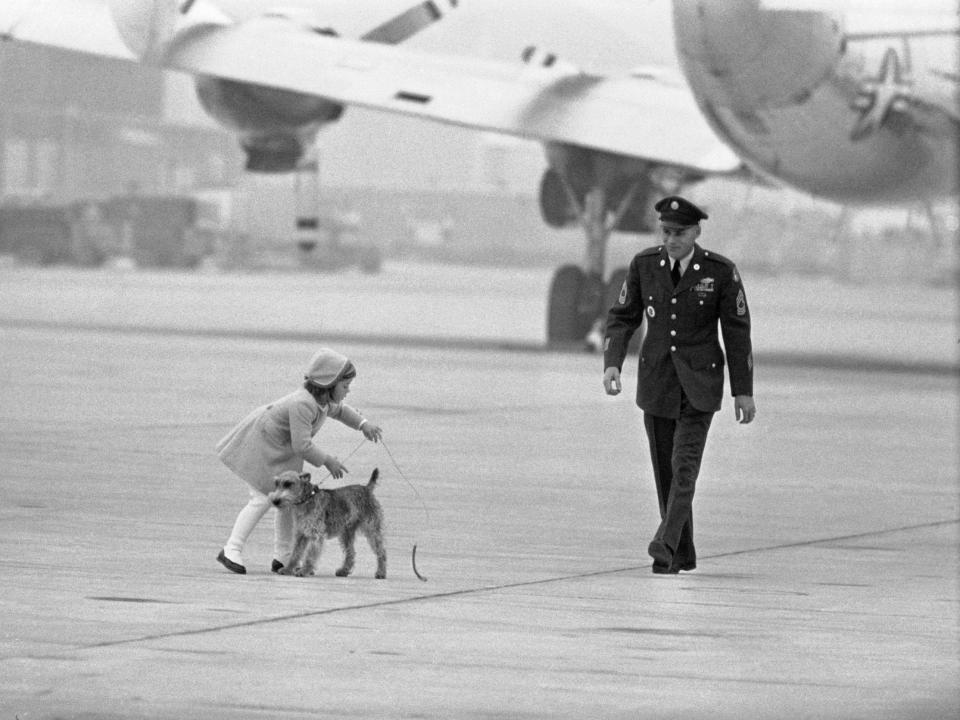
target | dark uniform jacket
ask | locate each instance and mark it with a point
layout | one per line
(681, 347)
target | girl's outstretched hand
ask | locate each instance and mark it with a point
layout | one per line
(371, 431)
(336, 468)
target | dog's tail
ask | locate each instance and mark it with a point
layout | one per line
(372, 482)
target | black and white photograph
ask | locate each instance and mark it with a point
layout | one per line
(475, 359)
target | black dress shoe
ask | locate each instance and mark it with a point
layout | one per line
(230, 564)
(276, 566)
(660, 552)
(687, 566)
(661, 569)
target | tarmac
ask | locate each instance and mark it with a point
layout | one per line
(828, 530)
(797, 320)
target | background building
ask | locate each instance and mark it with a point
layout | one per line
(77, 127)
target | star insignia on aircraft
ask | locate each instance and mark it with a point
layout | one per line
(878, 97)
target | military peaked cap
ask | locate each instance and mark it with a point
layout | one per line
(674, 208)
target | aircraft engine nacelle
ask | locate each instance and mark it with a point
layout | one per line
(740, 54)
(275, 126)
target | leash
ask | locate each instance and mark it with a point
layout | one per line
(346, 458)
(426, 511)
(412, 486)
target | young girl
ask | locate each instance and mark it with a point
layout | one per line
(278, 437)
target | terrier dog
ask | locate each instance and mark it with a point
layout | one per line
(320, 513)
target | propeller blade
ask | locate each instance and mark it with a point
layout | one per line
(410, 22)
(145, 25)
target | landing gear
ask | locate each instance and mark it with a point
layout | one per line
(602, 192)
(578, 305)
(575, 300)
(580, 296)
(593, 340)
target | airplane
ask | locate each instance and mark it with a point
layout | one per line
(830, 98)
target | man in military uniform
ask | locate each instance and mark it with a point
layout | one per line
(683, 291)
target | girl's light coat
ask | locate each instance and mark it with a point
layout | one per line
(279, 436)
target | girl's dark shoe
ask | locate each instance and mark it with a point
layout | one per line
(230, 564)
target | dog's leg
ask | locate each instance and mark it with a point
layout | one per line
(296, 556)
(349, 554)
(374, 533)
(314, 547)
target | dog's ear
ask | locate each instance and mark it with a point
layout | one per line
(305, 476)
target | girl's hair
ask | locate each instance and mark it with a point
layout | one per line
(322, 394)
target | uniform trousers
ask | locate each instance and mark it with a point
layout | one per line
(676, 448)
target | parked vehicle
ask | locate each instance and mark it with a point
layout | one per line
(151, 230)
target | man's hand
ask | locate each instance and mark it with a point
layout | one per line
(611, 381)
(744, 409)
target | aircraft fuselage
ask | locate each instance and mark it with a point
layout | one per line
(861, 121)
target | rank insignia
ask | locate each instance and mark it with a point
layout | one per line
(623, 293)
(741, 303)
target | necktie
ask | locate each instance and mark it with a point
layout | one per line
(675, 273)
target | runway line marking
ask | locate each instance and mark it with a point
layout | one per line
(495, 588)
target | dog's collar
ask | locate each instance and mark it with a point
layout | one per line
(313, 491)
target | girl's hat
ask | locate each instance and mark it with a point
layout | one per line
(327, 367)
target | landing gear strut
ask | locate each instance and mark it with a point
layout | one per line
(581, 294)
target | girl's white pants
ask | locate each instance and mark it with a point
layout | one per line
(247, 520)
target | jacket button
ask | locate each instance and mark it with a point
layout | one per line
(673, 348)
(673, 301)
(673, 317)
(673, 333)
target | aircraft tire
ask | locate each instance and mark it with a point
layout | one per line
(370, 260)
(567, 318)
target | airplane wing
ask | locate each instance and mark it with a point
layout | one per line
(82, 25)
(640, 116)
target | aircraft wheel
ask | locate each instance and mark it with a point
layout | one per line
(572, 304)
(370, 260)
